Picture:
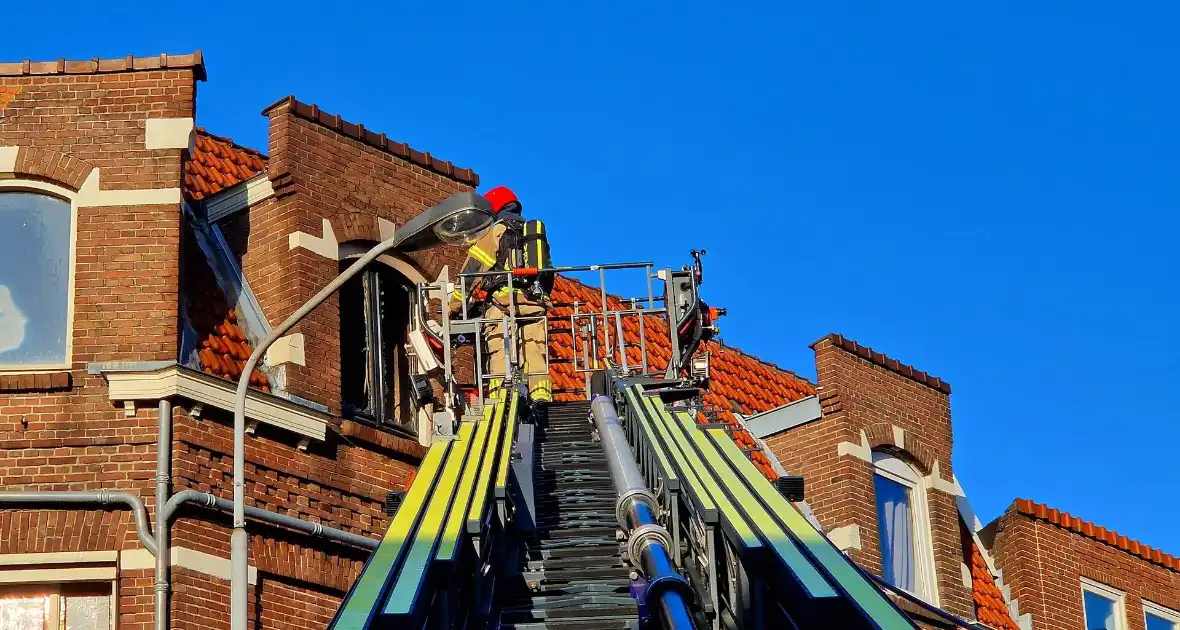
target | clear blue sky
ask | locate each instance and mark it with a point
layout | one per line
(989, 194)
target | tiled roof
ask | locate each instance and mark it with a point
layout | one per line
(222, 347)
(990, 607)
(95, 66)
(216, 163)
(357, 131)
(739, 381)
(869, 354)
(1097, 532)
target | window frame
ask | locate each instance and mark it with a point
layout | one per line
(53, 591)
(69, 196)
(350, 252)
(49, 573)
(892, 468)
(1109, 593)
(1167, 614)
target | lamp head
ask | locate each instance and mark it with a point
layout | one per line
(457, 220)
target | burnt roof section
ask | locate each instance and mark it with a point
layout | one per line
(357, 131)
(130, 63)
(893, 365)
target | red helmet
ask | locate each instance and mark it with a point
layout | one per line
(503, 200)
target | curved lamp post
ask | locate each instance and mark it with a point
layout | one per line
(457, 219)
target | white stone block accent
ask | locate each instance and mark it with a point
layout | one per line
(846, 537)
(287, 349)
(899, 437)
(8, 159)
(859, 451)
(199, 561)
(387, 228)
(169, 133)
(91, 195)
(325, 245)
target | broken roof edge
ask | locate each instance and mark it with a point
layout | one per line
(878, 358)
(380, 141)
(194, 61)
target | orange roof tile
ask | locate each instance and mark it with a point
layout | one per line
(216, 163)
(222, 346)
(989, 601)
(740, 383)
(990, 607)
(1096, 532)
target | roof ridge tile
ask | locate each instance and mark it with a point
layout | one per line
(878, 358)
(1077, 525)
(194, 60)
(358, 132)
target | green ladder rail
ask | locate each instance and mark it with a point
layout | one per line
(442, 511)
(801, 569)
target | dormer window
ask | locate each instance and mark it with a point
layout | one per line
(36, 230)
(903, 523)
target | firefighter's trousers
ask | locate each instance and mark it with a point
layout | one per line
(531, 326)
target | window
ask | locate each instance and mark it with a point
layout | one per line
(1104, 607)
(35, 280)
(78, 606)
(907, 554)
(1157, 617)
(374, 366)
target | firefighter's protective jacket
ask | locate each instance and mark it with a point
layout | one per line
(481, 257)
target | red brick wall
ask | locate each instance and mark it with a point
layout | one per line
(67, 435)
(136, 605)
(199, 601)
(858, 394)
(337, 483)
(125, 308)
(285, 606)
(1043, 564)
(321, 174)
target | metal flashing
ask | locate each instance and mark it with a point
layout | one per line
(788, 416)
(238, 197)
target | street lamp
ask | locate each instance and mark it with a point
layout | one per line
(458, 219)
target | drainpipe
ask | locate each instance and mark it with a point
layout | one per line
(163, 483)
(239, 540)
(204, 499)
(648, 542)
(143, 528)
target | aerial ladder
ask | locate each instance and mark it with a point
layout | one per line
(630, 508)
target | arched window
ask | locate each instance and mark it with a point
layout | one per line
(36, 230)
(374, 367)
(903, 522)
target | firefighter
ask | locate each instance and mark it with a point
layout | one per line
(503, 248)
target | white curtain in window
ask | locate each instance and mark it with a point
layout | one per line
(897, 535)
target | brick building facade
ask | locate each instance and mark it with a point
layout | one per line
(1030, 568)
(176, 250)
